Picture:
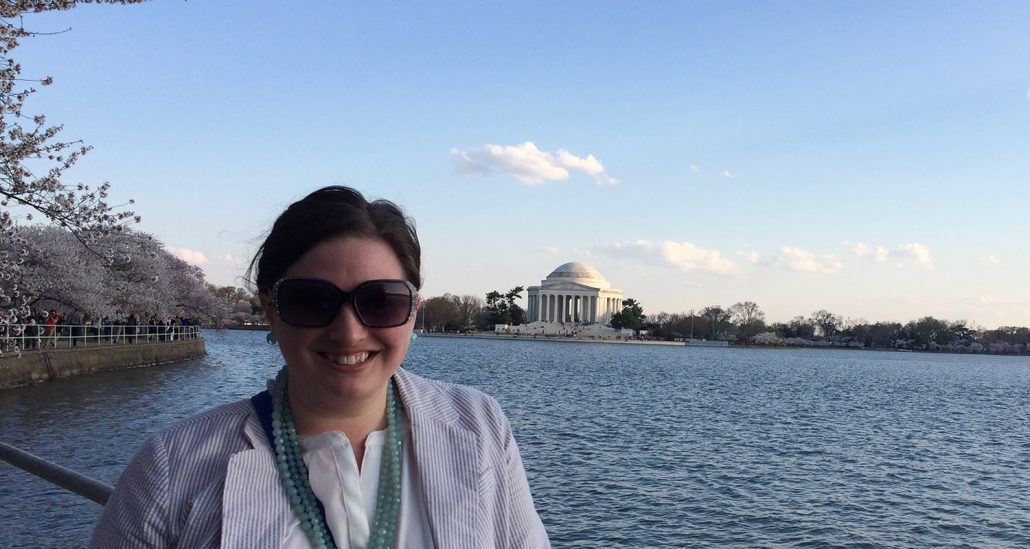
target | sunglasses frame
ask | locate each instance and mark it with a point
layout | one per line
(348, 297)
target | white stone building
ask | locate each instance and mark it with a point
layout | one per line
(574, 293)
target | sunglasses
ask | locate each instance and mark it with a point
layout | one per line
(313, 303)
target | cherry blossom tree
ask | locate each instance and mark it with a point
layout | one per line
(33, 158)
(132, 274)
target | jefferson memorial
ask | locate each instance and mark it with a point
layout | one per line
(573, 293)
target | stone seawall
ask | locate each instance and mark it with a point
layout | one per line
(37, 366)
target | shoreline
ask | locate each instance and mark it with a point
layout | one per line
(44, 365)
(513, 337)
(695, 344)
(689, 343)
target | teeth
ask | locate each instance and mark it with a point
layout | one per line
(347, 360)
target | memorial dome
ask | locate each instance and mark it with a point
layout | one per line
(574, 294)
(580, 273)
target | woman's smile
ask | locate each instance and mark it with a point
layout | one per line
(349, 360)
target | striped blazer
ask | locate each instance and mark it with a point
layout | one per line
(211, 479)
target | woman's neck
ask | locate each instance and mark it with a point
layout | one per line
(355, 420)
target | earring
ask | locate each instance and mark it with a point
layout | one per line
(414, 336)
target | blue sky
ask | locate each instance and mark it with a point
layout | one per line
(873, 161)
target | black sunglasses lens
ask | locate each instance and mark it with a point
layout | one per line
(383, 303)
(309, 303)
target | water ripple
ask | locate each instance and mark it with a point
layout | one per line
(634, 446)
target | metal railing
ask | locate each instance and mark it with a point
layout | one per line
(72, 481)
(32, 337)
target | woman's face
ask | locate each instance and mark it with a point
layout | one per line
(344, 362)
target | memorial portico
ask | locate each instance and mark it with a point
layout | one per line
(574, 293)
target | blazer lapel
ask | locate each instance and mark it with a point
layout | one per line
(448, 464)
(255, 511)
(448, 460)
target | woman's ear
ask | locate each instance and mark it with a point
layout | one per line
(267, 308)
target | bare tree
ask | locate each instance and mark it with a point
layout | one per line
(716, 317)
(437, 313)
(469, 307)
(750, 320)
(827, 322)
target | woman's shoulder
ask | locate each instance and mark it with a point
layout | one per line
(428, 388)
(214, 426)
(450, 402)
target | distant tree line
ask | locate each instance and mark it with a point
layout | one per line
(743, 323)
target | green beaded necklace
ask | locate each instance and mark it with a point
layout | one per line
(294, 473)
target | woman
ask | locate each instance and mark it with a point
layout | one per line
(345, 447)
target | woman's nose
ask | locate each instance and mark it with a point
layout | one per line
(346, 326)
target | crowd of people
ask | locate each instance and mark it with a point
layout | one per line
(50, 329)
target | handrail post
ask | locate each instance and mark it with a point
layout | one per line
(72, 481)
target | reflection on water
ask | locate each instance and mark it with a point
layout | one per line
(632, 446)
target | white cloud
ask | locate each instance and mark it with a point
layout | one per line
(727, 174)
(913, 254)
(802, 260)
(228, 259)
(907, 254)
(751, 257)
(694, 168)
(681, 255)
(878, 254)
(989, 260)
(193, 257)
(528, 164)
(550, 250)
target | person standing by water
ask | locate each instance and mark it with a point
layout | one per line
(52, 320)
(74, 321)
(345, 448)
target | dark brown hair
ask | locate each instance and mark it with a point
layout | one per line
(335, 212)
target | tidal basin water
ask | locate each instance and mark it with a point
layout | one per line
(631, 445)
